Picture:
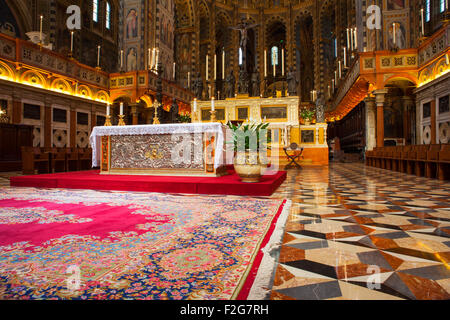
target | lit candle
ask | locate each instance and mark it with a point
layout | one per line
(335, 76)
(282, 61)
(149, 58)
(213, 107)
(223, 64)
(345, 57)
(121, 108)
(340, 69)
(348, 38)
(195, 105)
(98, 56)
(422, 22)
(351, 39)
(265, 63)
(332, 85)
(121, 59)
(189, 79)
(329, 91)
(157, 59)
(108, 110)
(215, 69)
(206, 70)
(71, 41)
(274, 68)
(393, 32)
(40, 29)
(356, 38)
(174, 67)
(153, 58)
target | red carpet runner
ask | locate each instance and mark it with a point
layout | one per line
(226, 185)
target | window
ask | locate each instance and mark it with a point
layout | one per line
(95, 10)
(108, 16)
(274, 55)
(427, 10)
(442, 6)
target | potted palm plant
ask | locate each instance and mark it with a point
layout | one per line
(250, 148)
(307, 115)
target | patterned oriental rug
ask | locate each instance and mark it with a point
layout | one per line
(80, 244)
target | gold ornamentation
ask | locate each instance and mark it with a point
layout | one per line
(108, 121)
(121, 121)
(154, 153)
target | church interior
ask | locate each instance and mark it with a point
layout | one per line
(224, 150)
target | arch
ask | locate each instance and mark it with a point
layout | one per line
(34, 78)
(102, 96)
(401, 76)
(148, 100)
(124, 95)
(61, 85)
(22, 15)
(84, 91)
(6, 71)
(440, 67)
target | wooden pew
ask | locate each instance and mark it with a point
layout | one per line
(403, 158)
(444, 162)
(84, 159)
(421, 158)
(35, 160)
(57, 159)
(432, 161)
(71, 159)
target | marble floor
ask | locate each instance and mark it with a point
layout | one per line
(357, 232)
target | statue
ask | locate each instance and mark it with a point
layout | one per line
(229, 85)
(292, 81)
(256, 84)
(320, 118)
(174, 111)
(243, 81)
(198, 86)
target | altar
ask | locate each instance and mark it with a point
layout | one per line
(194, 149)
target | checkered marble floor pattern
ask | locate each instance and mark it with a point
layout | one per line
(358, 232)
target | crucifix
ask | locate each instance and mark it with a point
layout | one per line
(243, 28)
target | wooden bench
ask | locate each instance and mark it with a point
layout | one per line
(432, 161)
(35, 160)
(444, 162)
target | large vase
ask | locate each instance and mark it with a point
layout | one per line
(248, 166)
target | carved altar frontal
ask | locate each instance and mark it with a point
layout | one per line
(160, 150)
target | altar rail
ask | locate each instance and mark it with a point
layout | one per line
(48, 160)
(431, 161)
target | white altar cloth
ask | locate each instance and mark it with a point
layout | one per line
(175, 128)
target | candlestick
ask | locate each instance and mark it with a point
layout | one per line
(340, 70)
(174, 67)
(332, 85)
(265, 63)
(274, 69)
(356, 38)
(40, 28)
(206, 71)
(215, 67)
(345, 57)
(223, 64)
(422, 22)
(149, 58)
(335, 77)
(282, 61)
(98, 56)
(351, 39)
(189, 79)
(393, 32)
(121, 120)
(71, 41)
(348, 38)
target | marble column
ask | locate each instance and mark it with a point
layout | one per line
(379, 100)
(371, 141)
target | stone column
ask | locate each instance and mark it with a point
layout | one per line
(379, 100)
(47, 125)
(73, 126)
(370, 123)
(433, 121)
